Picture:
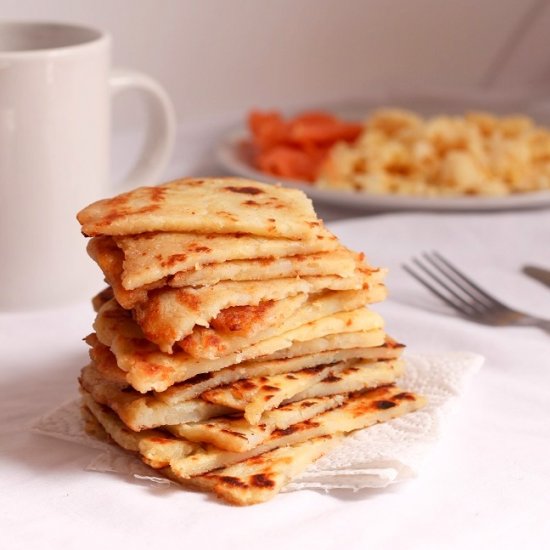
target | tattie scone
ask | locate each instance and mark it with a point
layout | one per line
(234, 345)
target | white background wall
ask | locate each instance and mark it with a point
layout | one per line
(216, 56)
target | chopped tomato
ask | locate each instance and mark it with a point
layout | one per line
(296, 148)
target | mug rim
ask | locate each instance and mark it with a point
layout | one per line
(99, 37)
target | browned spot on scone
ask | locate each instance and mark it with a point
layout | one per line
(310, 424)
(286, 431)
(406, 396)
(247, 190)
(390, 343)
(172, 260)
(151, 369)
(227, 215)
(290, 377)
(306, 404)
(266, 261)
(120, 200)
(300, 427)
(314, 370)
(331, 378)
(233, 481)
(157, 194)
(247, 385)
(250, 202)
(267, 387)
(262, 481)
(196, 247)
(231, 432)
(256, 459)
(192, 301)
(208, 339)
(241, 318)
(117, 213)
(384, 404)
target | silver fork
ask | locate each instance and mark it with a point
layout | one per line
(463, 295)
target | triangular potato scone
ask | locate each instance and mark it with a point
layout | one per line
(336, 348)
(359, 411)
(114, 324)
(155, 256)
(255, 480)
(155, 261)
(169, 315)
(264, 366)
(354, 377)
(210, 343)
(179, 403)
(343, 341)
(260, 478)
(187, 459)
(336, 262)
(212, 205)
(148, 369)
(149, 441)
(238, 327)
(234, 433)
(128, 439)
(105, 252)
(140, 412)
(255, 396)
(233, 346)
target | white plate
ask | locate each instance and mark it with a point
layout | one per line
(235, 155)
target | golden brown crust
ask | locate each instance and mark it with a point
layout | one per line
(241, 318)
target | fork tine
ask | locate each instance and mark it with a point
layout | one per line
(444, 284)
(475, 299)
(467, 281)
(435, 291)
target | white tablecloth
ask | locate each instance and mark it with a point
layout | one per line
(486, 485)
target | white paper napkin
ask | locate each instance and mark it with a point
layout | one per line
(375, 457)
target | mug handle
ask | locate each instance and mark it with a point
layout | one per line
(161, 132)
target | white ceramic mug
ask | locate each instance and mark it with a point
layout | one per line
(56, 86)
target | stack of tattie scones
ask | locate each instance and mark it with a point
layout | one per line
(233, 347)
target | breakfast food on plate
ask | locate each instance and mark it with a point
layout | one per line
(233, 346)
(396, 151)
(295, 148)
(476, 154)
